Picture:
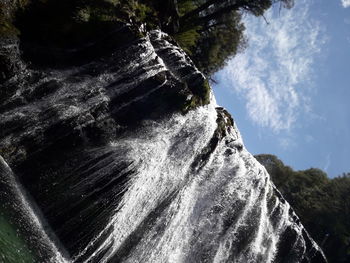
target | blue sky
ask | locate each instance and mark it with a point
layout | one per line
(289, 91)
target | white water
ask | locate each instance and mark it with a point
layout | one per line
(191, 227)
(180, 205)
(25, 211)
(191, 215)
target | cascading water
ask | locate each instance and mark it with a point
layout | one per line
(20, 213)
(120, 175)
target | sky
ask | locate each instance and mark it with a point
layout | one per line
(289, 90)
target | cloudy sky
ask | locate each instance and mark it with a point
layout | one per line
(289, 91)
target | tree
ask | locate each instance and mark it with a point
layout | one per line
(322, 204)
(211, 31)
(212, 41)
(213, 9)
(219, 41)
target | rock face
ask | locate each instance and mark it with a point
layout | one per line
(125, 157)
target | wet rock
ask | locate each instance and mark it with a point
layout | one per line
(127, 158)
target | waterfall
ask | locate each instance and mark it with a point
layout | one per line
(113, 171)
(15, 199)
(176, 210)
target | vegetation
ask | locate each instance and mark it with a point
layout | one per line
(212, 43)
(201, 96)
(12, 246)
(7, 12)
(219, 43)
(67, 23)
(323, 204)
(210, 31)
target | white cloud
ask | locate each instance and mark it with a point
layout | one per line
(274, 72)
(287, 143)
(327, 162)
(345, 3)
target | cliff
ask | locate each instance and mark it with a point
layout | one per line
(117, 152)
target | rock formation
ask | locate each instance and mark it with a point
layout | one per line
(117, 152)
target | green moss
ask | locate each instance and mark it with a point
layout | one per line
(202, 92)
(200, 97)
(205, 92)
(7, 13)
(13, 248)
(7, 29)
(143, 11)
(190, 104)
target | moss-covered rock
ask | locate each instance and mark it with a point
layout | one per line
(200, 96)
(7, 29)
(8, 10)
(205, 92)
(13, 248)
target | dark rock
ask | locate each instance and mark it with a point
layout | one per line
(126, 158)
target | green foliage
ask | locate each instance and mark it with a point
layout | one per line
(200, 97)
(257, 9)
(211, 42)
(220, 43)
(186, 6)
(145, 13)
(66, 23)
(188, 40)
(205, 94)
(215, 37)
(322, 204)
(201, 93)
(211, 31)
(7, 29)
(7, 13)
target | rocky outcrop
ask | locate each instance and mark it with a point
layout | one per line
(124, 156)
